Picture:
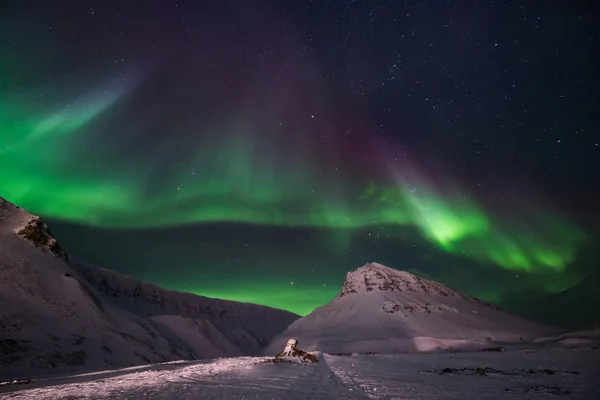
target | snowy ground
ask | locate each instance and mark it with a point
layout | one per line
(519, 374)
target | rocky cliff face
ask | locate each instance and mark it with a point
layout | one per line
(147, 300)
(374, 276)
(38, 233)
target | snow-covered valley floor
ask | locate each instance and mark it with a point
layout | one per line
(518, 374)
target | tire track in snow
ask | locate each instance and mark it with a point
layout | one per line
(377, 387)
(328, 385)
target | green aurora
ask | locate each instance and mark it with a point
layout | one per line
(55, 164)
(298, 299)
(260, 152)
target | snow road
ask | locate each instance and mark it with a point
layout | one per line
(535, 374)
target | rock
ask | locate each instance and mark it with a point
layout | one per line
(291, 350)
(38, 233)
(498, 349)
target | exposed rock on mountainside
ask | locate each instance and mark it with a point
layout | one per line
(38, 233)
(375, 276)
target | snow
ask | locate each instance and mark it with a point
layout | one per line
(574, 338)
(383, 310)
(518, 374)
(203, 337)
(67, 328)
(62, 317)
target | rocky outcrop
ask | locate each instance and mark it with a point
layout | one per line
(38, 233)
(374, 276)
(291, 350)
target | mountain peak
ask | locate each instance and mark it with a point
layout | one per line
(30, 227)
(380, 309)
(377, 277)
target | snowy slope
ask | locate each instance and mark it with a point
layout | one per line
(383, 310)
(584, 337)
(250, 326)
(58, 315)
(530, 374)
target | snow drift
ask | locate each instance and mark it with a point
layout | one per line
(383, 310)
(58, 315)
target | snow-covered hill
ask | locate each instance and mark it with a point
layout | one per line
(383, 310)
(583, 337)
(58, 315)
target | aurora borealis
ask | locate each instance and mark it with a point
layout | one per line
(259, 153)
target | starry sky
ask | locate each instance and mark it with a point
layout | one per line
(258, 151)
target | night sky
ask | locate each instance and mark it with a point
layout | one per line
(259, 150)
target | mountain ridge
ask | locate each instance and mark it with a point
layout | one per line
(59, 314)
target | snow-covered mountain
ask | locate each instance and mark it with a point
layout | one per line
(59, 315)
(383, 310)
